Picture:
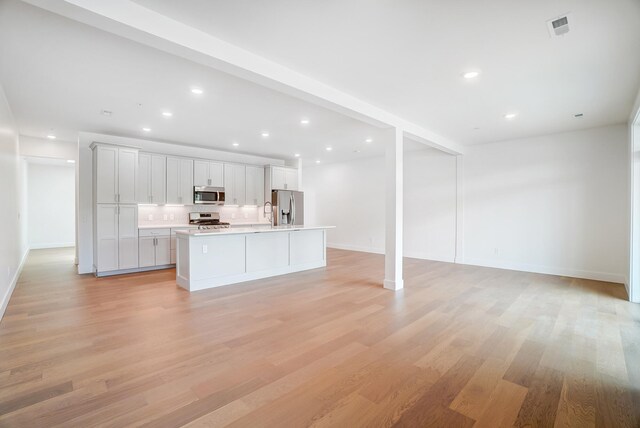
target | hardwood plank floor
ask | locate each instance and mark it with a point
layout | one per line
(459, 346)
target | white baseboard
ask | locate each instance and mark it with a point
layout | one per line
(82, 269)
(12, 285)
(52, 245)
(428, 256)
(356, 248)
(548, 270)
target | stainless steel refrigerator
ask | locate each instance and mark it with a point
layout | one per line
(288, 207)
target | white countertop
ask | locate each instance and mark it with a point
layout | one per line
(178, 226)
(247, 230)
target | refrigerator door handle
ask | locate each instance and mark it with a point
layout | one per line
(292, 209)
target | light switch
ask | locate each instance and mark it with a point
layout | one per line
(150, 217)
(205, 249)
(166, 217)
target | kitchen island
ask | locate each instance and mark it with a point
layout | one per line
(212, 258)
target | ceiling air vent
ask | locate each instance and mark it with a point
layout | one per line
(559, 26)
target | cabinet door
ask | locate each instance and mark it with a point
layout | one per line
(240, 180)
(143, 187)
(291, 179)
(173, 180)
(106, 174)
(127, 172)
(159, 179)
(106, 237)
(186, 182)
(146, 251)
(201, 173)
(255, 185)
(163, 250)
(216, 174)
(229, 185)
(278, 178)
(128, 237)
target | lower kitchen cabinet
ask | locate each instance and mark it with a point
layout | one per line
(154, 247)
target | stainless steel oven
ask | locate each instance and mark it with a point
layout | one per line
(208, 195)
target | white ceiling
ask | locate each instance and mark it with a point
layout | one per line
(59, 75)
(407, 57)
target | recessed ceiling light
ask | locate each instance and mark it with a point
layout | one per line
(510, 115)
(304, 121)
(167, 114)
(265, 134)
(51, 137)
(368, 140)
(235, 144)
(471, 74)
(329, 149)
(318, 161)
(71, 161)
(197, 91)
(146, 129)
(297, 155)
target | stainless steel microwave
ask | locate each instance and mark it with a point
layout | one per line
(208, 195)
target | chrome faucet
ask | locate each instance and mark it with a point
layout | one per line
(264, 211)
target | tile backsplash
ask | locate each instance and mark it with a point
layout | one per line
(149, 215)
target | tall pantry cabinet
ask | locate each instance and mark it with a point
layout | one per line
(115, 229)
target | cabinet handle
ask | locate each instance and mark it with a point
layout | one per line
(209, 181)
(180, 199)
(151, 197)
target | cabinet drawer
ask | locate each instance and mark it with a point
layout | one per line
(154, 232)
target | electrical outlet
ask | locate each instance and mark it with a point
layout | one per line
(171, 217)
(496, 252)
(165, 217)
(205, 249)
(150, 217)
(233, 215)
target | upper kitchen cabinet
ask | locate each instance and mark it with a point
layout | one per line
(179, 181)
(254, 185)
(280, 177)
(152, 179)
(116, 171)
(235, 184)
(207, 173)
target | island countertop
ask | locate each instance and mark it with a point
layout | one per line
(245, 230)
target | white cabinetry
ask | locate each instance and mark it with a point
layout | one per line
(235, 184)
(280, 177)
(179, 181)
(254, 185)
(207, 173)
(116, 173)
(152, 179)
(116, 246)
(154, 247)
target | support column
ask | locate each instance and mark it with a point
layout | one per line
(393, 213)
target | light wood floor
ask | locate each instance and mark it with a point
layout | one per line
(460, 346)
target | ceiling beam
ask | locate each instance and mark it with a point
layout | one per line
(133, 21)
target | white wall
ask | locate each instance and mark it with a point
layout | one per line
(555, 204)
(633, 287)
(13, 249)
(45, 148)
(84, 248)
(350, 195)
(51, 205)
